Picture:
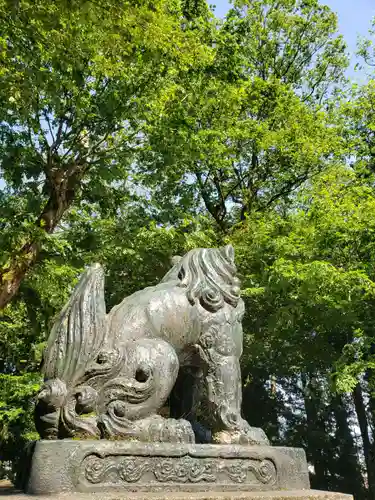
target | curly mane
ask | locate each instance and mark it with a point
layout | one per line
(209, 275)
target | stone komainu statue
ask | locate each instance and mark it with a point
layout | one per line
(108, 376)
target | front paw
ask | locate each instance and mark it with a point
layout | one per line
(176, 431)
(249, 436)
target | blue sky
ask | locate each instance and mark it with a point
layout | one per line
(354, 17)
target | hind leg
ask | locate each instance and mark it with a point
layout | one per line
(128, 404)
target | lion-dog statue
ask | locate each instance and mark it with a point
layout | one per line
(107, 376)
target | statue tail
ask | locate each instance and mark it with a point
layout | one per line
(73, 345)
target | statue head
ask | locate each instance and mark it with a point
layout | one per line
(209, 276)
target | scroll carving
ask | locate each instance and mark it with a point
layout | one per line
(186, 469)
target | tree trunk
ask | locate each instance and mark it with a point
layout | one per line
(346, 468)
(367, 446)
(370, 378)
(316, 432)
(259, 406)
(60, 199)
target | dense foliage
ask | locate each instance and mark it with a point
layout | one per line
(133, 131)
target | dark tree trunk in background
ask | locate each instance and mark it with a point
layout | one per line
(363, 422)
(316, 432)
(260, 406)
(366, 389)
(346, 467)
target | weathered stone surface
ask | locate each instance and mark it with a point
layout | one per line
(9, 493)
(107, 376)
(96, 466)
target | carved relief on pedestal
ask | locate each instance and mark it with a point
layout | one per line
(114, 469)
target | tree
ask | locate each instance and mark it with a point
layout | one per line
(309, 283)
(77, 80)
(359, 361)
(293, 41)
(252, 129)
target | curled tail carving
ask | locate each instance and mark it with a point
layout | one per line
(75, 342)
(79, 333)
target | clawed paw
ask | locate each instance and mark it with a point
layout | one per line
(176, 431)
(250, 436)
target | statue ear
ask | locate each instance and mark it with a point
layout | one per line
(175, 259)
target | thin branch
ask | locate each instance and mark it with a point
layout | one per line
(55, 146)
(317, 82)
(45, 114)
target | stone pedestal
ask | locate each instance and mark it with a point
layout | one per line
(8, 493)
(118, 466)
